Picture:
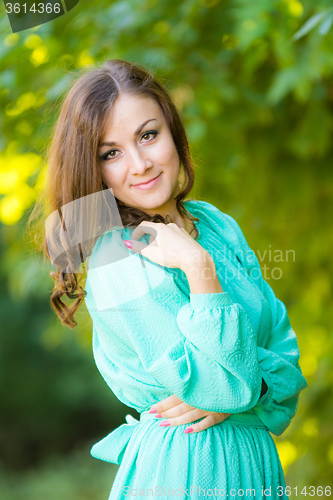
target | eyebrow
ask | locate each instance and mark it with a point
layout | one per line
(135, 133)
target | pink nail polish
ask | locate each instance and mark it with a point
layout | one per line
(164, 424)
(128, 244)
(189, 429)
(152, 410)
(158, 415)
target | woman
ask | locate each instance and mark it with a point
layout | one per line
(185, 328)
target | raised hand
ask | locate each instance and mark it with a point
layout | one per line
(169, 245)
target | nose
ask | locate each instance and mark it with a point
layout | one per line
(139, 162)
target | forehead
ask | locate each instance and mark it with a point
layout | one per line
(129, 112)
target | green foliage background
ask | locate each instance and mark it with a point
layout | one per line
(257, 106)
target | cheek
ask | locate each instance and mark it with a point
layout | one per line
(113, 177)
(169, 155)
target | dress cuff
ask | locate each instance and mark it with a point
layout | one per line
(210, 300)
(266, 398)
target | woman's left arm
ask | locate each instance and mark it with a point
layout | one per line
(278, 361)
(282, 378)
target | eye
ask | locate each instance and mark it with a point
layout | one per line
(105, 156)
(150, 132)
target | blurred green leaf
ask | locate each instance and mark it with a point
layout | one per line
(283, 83)
(326, 25)
(310, 24)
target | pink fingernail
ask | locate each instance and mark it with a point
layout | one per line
(152, 410)
(189, 429)
(158, 415)
(128, 244)
(164, 424)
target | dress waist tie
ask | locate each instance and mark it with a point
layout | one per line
(113, 446)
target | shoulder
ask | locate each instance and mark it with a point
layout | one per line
(108, 248)
(209, 209)
(222, 222)
(116, 276)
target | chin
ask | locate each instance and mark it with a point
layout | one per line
(154, 200)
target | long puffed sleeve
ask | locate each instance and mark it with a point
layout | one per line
(278, 357)
(203, 350)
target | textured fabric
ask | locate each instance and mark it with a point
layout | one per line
(153, 338)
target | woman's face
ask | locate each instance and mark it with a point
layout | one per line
(137, 147)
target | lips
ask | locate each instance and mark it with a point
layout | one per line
(147, 182)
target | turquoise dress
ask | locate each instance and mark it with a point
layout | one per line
(152, 338)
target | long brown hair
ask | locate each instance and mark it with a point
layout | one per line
(74, 171)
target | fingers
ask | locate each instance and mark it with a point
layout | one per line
(151, 251)
(165, 404)
(207, 422)
(186, 418)
(181, 410)
(137, 246)
(145, 227)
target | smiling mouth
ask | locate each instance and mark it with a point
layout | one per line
(147, 182)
